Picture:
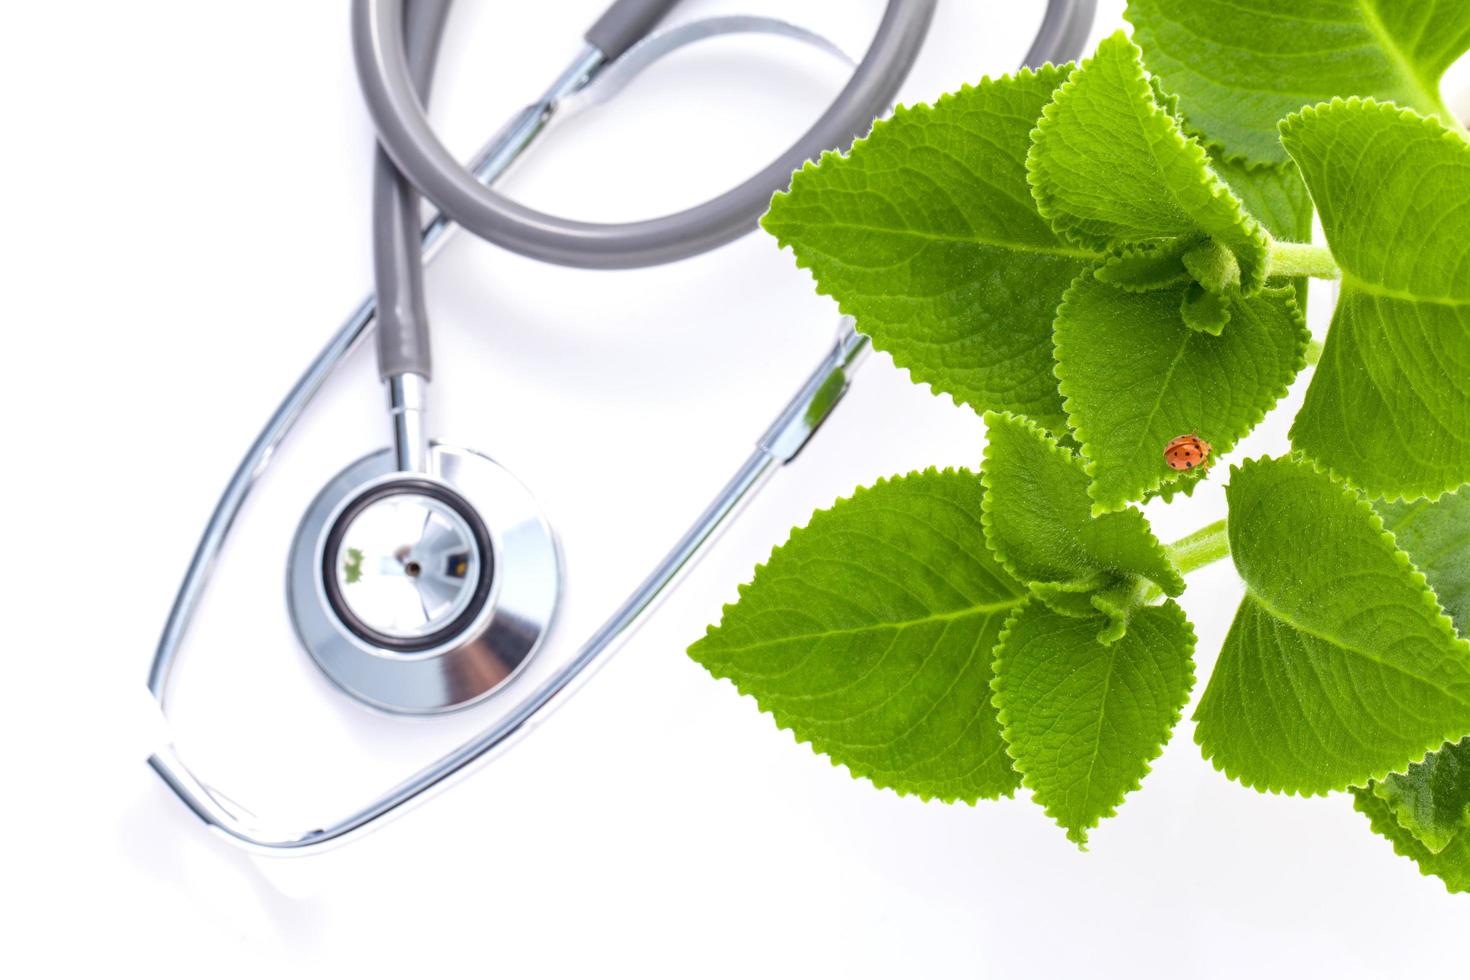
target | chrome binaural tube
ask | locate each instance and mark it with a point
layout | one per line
(796, 423)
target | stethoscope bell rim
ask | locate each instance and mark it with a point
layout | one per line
(495, 628)
(408, 565)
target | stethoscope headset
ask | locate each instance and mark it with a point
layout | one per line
(423, 577)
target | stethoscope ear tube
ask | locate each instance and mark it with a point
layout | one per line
(398, 265)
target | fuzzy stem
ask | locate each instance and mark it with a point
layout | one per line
(1190, 553)
(1203, 547)
(1314, 352)
(1296, 259)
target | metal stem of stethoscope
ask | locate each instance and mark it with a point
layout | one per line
(493, 160)
(407, 393)
(781, 443)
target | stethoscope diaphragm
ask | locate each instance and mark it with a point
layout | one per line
(422, 593)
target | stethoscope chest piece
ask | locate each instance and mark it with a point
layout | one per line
(423, 592)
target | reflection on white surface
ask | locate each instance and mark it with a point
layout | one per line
(407, 565)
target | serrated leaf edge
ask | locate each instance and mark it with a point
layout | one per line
(1381, 789)
(1427, 598)
(1239, 158)
(1296, 120)
(1187, 483)
(921, 108)
(1253, 273)
(818, 746)
(1118, 255)
(1002, 715)
(1380, 822)
(1073, 459)
(1250, 163)
(1433, 126)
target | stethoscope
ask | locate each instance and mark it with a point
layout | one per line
(424, 577)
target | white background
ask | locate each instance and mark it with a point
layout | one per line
(186, 222)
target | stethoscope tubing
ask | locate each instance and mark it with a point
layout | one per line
(395, 45)
(388, 84)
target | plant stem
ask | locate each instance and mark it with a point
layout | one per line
(1314, 352)
(1296, 259)
(1190, 553)
(1203, 547)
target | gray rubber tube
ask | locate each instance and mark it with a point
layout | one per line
(398, 266)
(625, 23)
(395, 53)
(1062, 33)
(404, 133)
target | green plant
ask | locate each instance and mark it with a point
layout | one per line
(352, 565)
(1101, 258)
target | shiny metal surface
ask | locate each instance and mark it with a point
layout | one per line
(812, 405)
(405, 566)
(481, 629)
(799, 421)
(526, 125)
(408, 408)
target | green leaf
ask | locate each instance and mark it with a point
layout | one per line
(352, 565)
(1275, 196)
(1340, 666)
(1038, 523)
(1147, 266)
(1389, 407)
(1451, 865)
(1213, 267)
(870, 635)
(1239, 66)
(1135, 376)
(1203, 311)
(1432, 799)
(927, 234)
(1436, 535)
(1109, 166)
(1084, 720)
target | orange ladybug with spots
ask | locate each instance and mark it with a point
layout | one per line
(1187, 452)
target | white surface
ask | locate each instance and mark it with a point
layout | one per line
(187, 222)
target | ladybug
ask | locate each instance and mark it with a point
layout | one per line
(1187, 452)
